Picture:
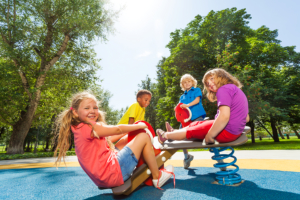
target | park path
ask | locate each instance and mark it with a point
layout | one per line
(282, 160)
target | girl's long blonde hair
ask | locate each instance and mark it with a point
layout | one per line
(221, 77)
(67, 119)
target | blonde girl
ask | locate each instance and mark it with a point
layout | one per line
(232, 112)
(94, 149)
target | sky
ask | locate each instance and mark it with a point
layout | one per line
(143, 29)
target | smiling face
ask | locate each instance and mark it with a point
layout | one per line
(187, 84)
(211, 85)
(144, 100)
(87, 111)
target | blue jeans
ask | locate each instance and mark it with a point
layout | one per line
(127, 162)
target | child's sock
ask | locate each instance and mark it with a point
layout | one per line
(186, 156)
(166, 135)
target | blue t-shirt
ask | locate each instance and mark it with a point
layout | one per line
(189, 96)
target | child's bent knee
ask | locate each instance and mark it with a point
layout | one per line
(144, 136)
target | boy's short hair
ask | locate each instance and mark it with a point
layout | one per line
(185, 77)
(142, 92)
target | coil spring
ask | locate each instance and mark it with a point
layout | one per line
(226, 177)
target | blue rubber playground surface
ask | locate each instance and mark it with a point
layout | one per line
(195, 183)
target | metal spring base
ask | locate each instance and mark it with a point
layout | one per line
(225, 176)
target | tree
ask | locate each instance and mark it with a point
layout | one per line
(223, 39)
(194, 50)
(46, 48)
(111, 116)
(151, 113)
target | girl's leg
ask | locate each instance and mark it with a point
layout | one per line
(226, 136)
(141, 144)
(187, 157)
(122, 142)
(177, 134)
(199, 129)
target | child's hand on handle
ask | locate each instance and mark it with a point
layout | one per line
(208, 140)
(145, 127)
(184, 106)
(142, 125)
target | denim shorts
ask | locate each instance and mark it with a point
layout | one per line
(127, 162)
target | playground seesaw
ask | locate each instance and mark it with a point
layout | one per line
(223, 177)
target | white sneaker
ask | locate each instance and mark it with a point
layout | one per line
(166, 174)
(187, 162)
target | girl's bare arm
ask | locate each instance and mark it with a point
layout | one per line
(219, 124)
(107, 130)
(115, 138)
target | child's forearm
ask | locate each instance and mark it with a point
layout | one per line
(219, 124)
(131, 127)
(106, 130)
(197, 100)
(115, 138)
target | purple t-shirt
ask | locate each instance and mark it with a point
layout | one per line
(232, 96)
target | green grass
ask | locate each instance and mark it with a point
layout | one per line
(265, 144)
(39, 154)
(5, 156)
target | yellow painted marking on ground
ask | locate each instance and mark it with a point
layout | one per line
(264, 164)
(37, 165)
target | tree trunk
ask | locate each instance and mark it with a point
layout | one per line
(47, 144)
(28, 146)
(21, 128)
(252, 126)
(71, 142)
(2, 131)
(296, 133)
(37, 141)
(280, 133)
(24, 145)
(287, 136)
(274, 130)
(54, 143)
(265, 129)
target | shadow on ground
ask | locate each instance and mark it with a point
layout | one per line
(190, 185)
(195, 183)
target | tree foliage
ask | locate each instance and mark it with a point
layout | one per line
(268, 71)
(46, 55)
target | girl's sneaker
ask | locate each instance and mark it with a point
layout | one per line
(169, 127)
(160, 135)
(165, 175)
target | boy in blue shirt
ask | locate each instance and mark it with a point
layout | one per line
(192, 99)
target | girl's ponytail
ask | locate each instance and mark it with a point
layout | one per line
(63, 123)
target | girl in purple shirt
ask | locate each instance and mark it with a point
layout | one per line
(232, 114)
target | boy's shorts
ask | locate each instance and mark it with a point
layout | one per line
(127, 162)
